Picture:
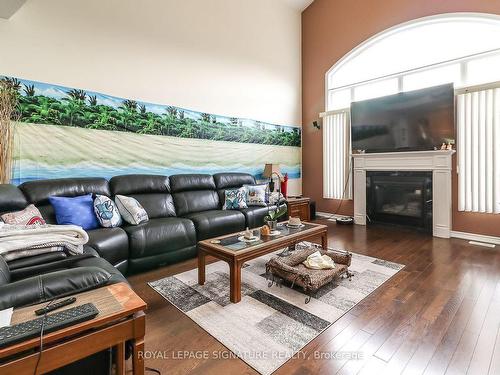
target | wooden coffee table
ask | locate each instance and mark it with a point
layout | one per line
(229, 249)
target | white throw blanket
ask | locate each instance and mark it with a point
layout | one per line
(316, 261)
(19, 241)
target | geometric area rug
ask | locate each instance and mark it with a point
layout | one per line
(270, 324)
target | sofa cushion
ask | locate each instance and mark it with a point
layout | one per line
(75, 211)
(28, 216)
(235, 199)
(151, 191)
(161, 235)
(256, 195)
(225, 181)
(111, 243)
(11, 198)
(131, 210)
(106, 212)
(193, 193)
(216, 223)
(38, 192)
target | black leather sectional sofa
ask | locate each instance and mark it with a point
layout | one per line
(182, 210)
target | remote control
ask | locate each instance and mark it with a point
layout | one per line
(55, 306)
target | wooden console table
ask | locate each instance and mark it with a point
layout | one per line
(299, 207)
(121, 318)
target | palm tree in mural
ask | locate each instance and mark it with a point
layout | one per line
(129, 105)
(172, 111)
(72, 113)
(205, 117)
(142, 109)
(75, 94)
(92, 100)
(29, 90)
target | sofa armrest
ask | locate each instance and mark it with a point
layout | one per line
(52, 285)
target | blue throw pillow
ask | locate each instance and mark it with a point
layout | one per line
(77, 211)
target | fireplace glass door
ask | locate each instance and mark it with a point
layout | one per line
(400, 198)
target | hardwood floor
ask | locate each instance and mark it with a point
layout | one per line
(439, 315)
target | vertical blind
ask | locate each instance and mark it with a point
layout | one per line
(336, 156)
(478, 150)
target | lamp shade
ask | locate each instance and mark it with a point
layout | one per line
(269, 169)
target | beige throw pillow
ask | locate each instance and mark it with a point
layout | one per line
(130, 210)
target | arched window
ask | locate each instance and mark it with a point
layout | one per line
(462, 48)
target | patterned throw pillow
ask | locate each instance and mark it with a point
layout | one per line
(75, 211)
(106, 211)
(29, 216)
(256, 194)
(131, 210)
(235, 199)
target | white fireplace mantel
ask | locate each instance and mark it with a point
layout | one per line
(439, 162)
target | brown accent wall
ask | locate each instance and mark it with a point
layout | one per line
(330, 29)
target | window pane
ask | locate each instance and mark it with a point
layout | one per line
(421, 43)
(376, 89)
(433, 77)
(483, 70)
(339, 99)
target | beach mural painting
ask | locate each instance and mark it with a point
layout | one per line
(68, 132)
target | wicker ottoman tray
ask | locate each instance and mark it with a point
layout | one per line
(291, 269)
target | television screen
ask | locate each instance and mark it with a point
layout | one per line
(409, 121)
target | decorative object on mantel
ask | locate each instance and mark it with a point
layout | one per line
(449, 147)
(8, 115)
(443, 146)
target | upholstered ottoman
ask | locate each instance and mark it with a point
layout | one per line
(290, 268)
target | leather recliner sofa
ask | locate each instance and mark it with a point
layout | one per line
(182, 210)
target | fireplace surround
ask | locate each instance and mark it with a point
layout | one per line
(436, 163)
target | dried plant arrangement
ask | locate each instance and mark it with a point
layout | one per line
(8, 116)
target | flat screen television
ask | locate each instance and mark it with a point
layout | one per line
(409, 121)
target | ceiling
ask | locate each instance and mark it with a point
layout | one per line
(9, 7)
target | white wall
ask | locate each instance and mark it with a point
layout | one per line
(238, 58)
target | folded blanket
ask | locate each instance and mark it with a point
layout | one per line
(18, 241)
(316, 261)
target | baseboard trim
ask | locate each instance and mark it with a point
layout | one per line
(475, 237)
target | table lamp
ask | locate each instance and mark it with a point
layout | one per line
(271, 170)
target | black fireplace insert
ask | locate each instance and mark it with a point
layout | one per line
(400, 198)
